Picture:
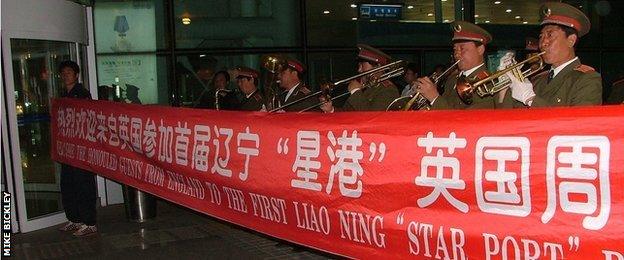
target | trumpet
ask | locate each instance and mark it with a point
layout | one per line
(417, 101)
(492, 84)
(218, 95)
(392, 69)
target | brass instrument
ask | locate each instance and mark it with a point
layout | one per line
(417, 101)
(491, 84)
(218, 95)
(393, 69)
(274, 64)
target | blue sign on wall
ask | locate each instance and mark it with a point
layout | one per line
(381, 12)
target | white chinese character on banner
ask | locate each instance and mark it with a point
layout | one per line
(124, 134)
(508, 198)
(201, 148)
(81, 122)
(165, 142)
(182, 143)
(247, 151)
(60, 122)
(135, 134)
(70, 121)
(101, 128)
(573, 165)
(220, 163)
(347, 165)
(308, 149)
(440, 162)
(113, 138)
(91, 125)
(149, 138)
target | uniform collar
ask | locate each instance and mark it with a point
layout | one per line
(562, 66)
(252, 93)
(470, 71)
(291, 91)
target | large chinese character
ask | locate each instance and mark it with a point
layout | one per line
(70, 120)
(165, 142)
(308, 149)
(102, 128)
(201, 148)
(113, 138)
(506, 198)
(124, 134)
(347, 165)
(81, 121)
(572, 166)
(181, 143)
(91, 125)
(219, 162)
(149, 139)
(60, 122)
(135, 134)
(440, 184)
(247, 151)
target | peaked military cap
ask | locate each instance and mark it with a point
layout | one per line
(296, 65)
(373, 55)
(465, 31)
(247, 72)
(566, 15)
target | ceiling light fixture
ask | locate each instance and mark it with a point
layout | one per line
(429, 14)
(497, 2)
(525, 22)
(508, 11)
(476, 16)
(353, 5)
(354, 18)
(410, 6)
(186, 20)
(518, 17)
(487, 21)
(326, 12)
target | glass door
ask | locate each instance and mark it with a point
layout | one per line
(35, 80)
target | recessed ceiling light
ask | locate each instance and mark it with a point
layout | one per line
(508, 11)
(353, 5)
(429, 14)
(525, 22)
(186, 20)
(487, 21)
(446, 21)
(497, 2)
(476, 16)
(444, 0)
(410, 6)
(354, 18)
(518, 17)
(326, 12)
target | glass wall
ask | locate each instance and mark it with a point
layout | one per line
(160, 45)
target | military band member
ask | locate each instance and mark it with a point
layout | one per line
(247, 81)
(363, 97)
(568, 82)
(469, 41)
(290, 81)
(226, 97)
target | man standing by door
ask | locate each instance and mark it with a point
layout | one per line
(78, 192)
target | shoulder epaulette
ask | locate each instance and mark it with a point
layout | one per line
(584, 68)
(305, 90)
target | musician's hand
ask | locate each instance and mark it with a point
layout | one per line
(426, 87)
(521, 90)
(354, 85)
(327, 107)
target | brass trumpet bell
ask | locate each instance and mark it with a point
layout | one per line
(274, 63)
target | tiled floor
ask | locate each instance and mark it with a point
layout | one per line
(176, 233)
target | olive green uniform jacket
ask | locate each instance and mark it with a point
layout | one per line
(253, 102)
(450, 99)
(575, 85)
(299, 92)
(376, 98)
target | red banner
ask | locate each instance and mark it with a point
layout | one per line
(538, 183)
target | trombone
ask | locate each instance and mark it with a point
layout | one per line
(395, 69)
(492, 84)
(417, 101)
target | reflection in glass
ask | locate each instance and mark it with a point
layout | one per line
(237, 23)
(36, 81)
